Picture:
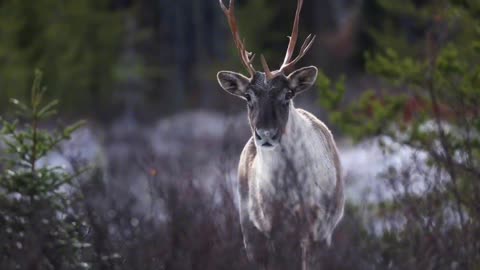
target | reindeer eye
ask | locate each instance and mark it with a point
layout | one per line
(248, 97)
(289, 95)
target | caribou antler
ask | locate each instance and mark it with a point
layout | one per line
(246, 56)
(287, 64)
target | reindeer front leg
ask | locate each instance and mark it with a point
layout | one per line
(255, 242)
(305, 244)
(253, 239)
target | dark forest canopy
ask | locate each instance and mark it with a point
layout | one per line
(108, 56)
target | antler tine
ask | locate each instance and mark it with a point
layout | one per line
(287, 62)
(293, 38)
(266, 69)
(246, 56)
(223, 7)
(307, 44)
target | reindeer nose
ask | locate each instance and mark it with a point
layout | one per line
(266, 134)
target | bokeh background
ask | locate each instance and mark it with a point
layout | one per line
(153, 58)
(162, 140)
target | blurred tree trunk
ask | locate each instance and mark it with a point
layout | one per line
(183, 50)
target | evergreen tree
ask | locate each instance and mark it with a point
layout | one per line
(39, 227)
(430, 104)
(75, 42)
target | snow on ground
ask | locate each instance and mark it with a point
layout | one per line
(212, 142)
(364, 164)
(83, 146)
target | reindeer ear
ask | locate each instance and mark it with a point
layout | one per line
(234, 83)
(302, 79)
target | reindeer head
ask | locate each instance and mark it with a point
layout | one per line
(268, 94)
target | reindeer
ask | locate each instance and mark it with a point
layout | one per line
(289, 173)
